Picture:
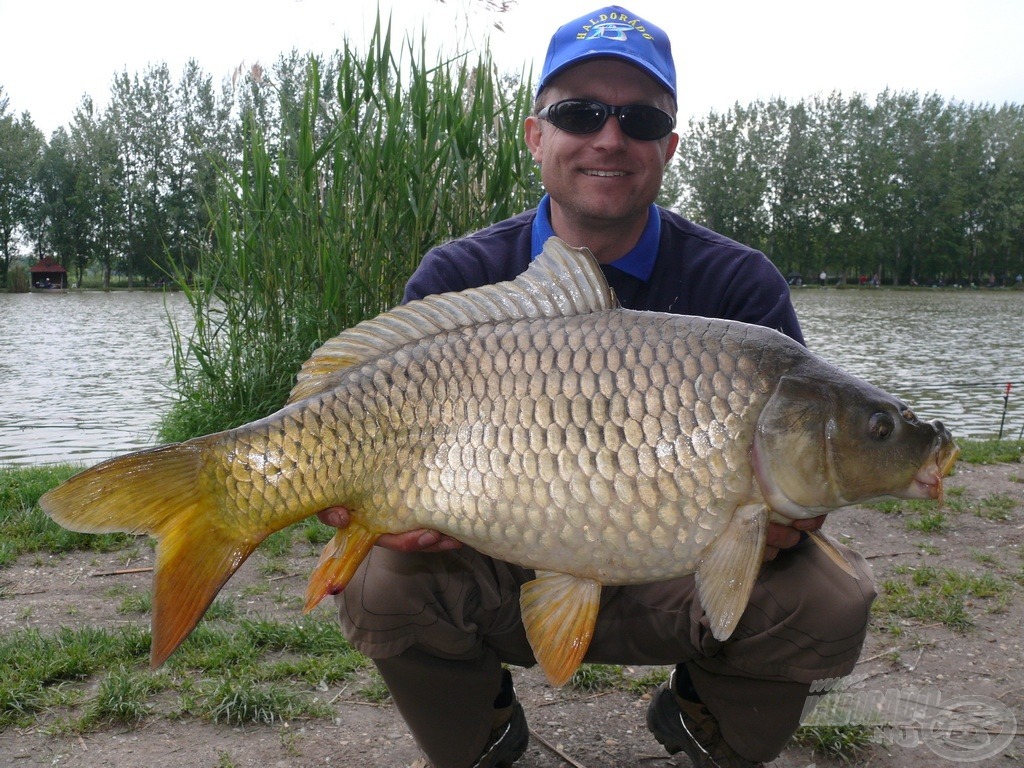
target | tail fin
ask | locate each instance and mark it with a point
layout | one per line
(160, 492)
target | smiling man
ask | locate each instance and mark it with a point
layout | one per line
(439, 619)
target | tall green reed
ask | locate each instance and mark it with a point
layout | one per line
(401, 155)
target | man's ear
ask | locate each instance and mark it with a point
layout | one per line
(532, 132)
(673, 143)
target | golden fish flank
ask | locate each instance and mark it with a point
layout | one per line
(538, 422)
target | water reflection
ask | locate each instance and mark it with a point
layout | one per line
(83, 375)
(948, 354)
(86, 375)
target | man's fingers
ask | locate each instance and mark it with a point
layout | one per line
(336, 517)
(782, 536)
(418, 541)
(810, 524)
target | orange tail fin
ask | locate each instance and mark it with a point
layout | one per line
(159, 492)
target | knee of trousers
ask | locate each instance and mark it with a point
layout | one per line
(807, 618)
(837, 604)
(441, 603)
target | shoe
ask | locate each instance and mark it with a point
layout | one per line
(510, 733)
(686, 726)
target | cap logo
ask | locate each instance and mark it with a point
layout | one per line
(613, 26)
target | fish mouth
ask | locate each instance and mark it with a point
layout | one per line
(927, 483)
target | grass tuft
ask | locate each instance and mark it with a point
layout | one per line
(122, 699)
(838, 742)
(591, 678)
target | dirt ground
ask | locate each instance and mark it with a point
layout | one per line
(981, 668)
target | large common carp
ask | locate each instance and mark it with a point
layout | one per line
(540, 423)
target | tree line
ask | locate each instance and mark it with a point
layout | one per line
(127, 188)
(903, 187)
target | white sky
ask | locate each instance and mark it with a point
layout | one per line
(54, 52)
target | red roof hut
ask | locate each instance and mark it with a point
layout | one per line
(47, 274)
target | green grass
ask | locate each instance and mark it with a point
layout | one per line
(996, 508)
(595, 678)
(929, 517)
(241, 700)
(375, 692)
(247, 671)
(941, 596)
(590, 678)
(25, 529)
(928, 522)
(122, 698)
(991, 451)
(39, 672)
(136, 603)
(839, 742)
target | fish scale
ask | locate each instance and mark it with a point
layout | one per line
(511, 469)
(540, 423)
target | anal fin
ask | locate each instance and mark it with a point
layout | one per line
(728, 570)
(826, 545)
(338, 562)
(559, 614)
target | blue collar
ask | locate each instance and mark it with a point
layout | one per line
(639, 262)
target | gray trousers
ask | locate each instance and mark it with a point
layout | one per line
(439, 626)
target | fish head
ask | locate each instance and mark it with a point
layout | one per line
(827, 441)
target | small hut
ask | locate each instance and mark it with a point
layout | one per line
(47, 274)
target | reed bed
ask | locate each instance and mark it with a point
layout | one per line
(322, 231)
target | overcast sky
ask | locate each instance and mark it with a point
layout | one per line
(54, 52)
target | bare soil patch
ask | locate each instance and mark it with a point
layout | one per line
(570, 727)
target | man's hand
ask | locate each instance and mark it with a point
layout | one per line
(784, 536)
(421, 540)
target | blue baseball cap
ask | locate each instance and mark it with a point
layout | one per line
(611, 32)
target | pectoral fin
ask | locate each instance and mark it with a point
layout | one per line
(559, 613)
(729, 568)
(338, 562)
(826, 545)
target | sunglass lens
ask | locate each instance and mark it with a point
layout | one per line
(645, 123)
(578, 116)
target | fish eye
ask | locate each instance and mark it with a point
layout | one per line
(881, 426)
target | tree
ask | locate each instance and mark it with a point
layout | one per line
(99, 187)
(21, 145)
(198, 151)
(143, 117)
(63, 208)
(727, 182)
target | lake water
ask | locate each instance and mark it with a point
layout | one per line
(86, 375)
(948, 354)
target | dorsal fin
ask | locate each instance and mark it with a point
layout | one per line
(562, 281)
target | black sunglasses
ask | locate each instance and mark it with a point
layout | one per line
(638, 121)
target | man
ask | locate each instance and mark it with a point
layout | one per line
(439, 619)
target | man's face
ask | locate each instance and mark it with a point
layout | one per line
(602, 179)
